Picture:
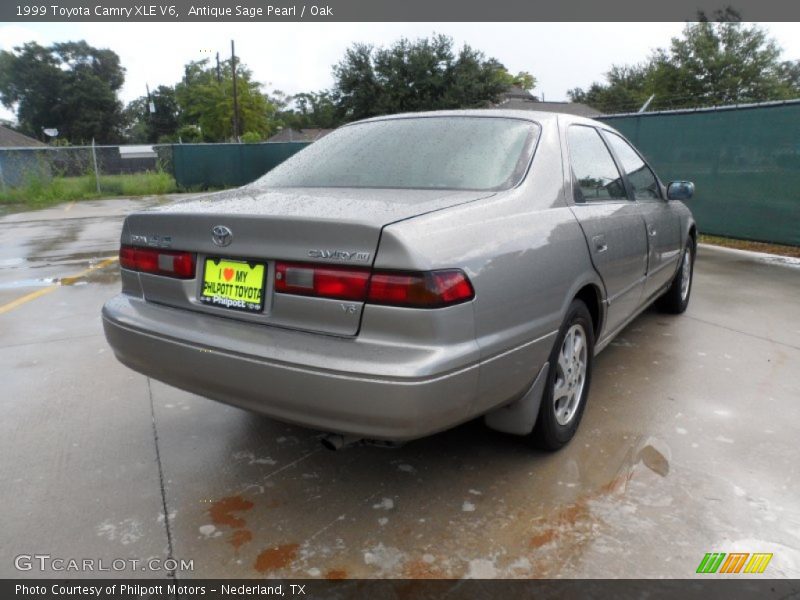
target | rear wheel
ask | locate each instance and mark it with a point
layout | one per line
(568, 380)
(676, 298)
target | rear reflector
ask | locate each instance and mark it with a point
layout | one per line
(158, 262)
(431, 289)
(322, 281)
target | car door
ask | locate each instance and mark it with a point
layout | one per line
(611, 222)
(663, 225)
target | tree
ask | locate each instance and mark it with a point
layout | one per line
(143, 126)
(626, 89)
(711, 63)
(206, 102)
(425, 74)
(69, 86)
(523, 80)
(313, 110)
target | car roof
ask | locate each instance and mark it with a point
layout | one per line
(527, 115)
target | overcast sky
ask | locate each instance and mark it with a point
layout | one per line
(296, 57)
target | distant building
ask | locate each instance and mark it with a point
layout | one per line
(19, 158)
(299, 135)
(13, 139)
(515, 98)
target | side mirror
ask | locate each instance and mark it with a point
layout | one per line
(680, 190)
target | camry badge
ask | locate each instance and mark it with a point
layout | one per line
(221, 235)
(343, 255)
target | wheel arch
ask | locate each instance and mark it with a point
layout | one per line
(590, 295)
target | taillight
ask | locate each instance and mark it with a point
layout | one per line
(158, 262)
(430, 289)
(304, 279)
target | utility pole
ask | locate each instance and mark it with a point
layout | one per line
(151, 107)
(151, 111)
(235, 98)
(219, 73)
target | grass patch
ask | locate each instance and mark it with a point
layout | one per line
(779, 249)
(38, 192)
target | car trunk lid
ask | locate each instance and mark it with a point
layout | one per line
(337, 227)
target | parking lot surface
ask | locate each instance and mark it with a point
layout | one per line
(689, 444)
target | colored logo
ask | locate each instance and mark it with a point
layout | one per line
(734, 562)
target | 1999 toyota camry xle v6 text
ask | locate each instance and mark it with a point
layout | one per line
(405, 274)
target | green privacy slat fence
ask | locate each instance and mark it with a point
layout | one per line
(745, 162)
(224, 165)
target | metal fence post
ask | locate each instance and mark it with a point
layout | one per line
(96, 174)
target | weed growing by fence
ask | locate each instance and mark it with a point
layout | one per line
(38, 191)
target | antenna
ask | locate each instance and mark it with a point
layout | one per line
(646, 104)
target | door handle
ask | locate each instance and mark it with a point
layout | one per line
(652, 232)
(599, 242)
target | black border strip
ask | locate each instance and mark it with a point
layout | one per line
(702, 587)
(276, 11)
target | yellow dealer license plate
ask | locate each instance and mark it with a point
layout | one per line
(233, 284)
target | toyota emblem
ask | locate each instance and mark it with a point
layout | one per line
(221, 235)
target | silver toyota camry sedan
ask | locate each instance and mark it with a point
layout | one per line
(408, 273)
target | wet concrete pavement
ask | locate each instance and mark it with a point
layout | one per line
(689, 445)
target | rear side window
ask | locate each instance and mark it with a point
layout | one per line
(644, 183)
(597, 176)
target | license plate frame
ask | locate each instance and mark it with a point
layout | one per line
(217, 268)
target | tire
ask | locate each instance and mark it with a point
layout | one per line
(676, 298)
(564, 397)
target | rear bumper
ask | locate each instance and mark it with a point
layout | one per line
(389, 392)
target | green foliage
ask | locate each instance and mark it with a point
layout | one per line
(70, 86)
(523, 80)
(425, 74)
(711, 63)
(190, 134)
(42, 191)
(142, 126)
(251, 137)
(206, 101)
(312, 110)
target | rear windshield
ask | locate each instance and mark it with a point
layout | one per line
(460, 153)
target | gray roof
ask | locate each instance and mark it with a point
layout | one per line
(515, 98)
(13, 139)
(299, 135)
(569, 108)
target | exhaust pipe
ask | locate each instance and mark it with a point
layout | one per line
(336, 441)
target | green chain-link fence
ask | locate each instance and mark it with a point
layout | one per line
(745, 162)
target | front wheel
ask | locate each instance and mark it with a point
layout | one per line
(676, 298)
(568, 380)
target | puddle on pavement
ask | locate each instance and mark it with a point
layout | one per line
(27, 283)
(64, 259)
(654, 460)
(60, 233)
(109, 274)
(6, 263)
